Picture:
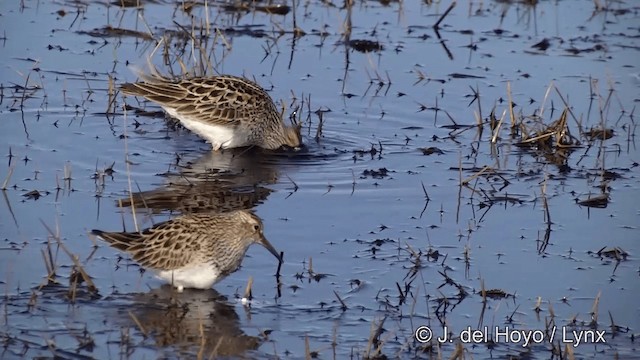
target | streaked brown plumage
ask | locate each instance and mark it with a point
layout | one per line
(228, 111)
(195, 250)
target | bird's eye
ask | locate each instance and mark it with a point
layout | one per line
(256, 227)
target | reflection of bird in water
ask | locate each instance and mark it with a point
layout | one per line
(227, 111)
(195, 250)
(194, 321)
(215, 182)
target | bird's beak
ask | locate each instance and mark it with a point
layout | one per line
(264, 242)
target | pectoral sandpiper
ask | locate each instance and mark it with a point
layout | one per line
(227, 111)
(193, 251)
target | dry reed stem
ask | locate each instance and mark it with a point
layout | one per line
(334, 340)
(214, 353)
(8, 178)
(483, 293)
(613, 326)
(278, 277)
(128, 165)
(206, 17)
(512, 115)
(307, 349)
(49, 262)
(446, 12)
(138, 323)
(594, 309)
(459, 202)
(376, 331)
(496, 131)
(537, 307)
(67, 175)
(74, 258)
(476, 175)
(568, 108)
(203, 340)
(458, 352)
(144, 22)
(544, 100)
(247, 289)
(568, 352)
(343, 306)
(111, 96)
(545, 203)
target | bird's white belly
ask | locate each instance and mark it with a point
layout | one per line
(202, 276)
(218, 135)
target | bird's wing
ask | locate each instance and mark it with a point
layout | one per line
(219, 100)
(166, 246)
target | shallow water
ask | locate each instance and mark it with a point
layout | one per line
(358, 217)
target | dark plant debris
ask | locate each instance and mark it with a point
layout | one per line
(375, 174)
(431, 150)
(365, 45)
(598, 201)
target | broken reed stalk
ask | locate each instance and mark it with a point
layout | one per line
(476, 175)
(144, 22)
(374, 335)
(247, 290)
(510, 99)
(568, 108)
(552, 313)
(496, 131)
(24, 91)
(545, 203)
(594, 310)
(459, 202)
(67, 176)
(343, 306)
(544, 100)
(568, 352)
(613, 326)
(297, 32)
(8, 178)
(307, 348)
(537, 308)
(203, 341)
(128, 164)
(483, 293)
(214, 352)
(477, 93)
(206, 17)
(111, 97)
(278, 276)
(319, 129)
(78, 267)
(138, 324)
(458, 353)
(334, 341)
(451, 6)
(49, 262)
